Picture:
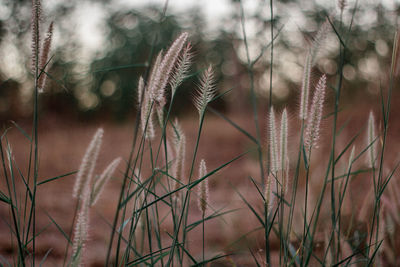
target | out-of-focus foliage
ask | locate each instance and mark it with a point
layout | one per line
(132, 39)
(106, 86)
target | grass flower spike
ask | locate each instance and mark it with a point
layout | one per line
(40, 52)
(165, 68)
(35, 30)
(146, 114)
(283, 140)
(44, 57)
(305, 88)
(269, 193)
(154, 98)
(88, 193)
(205, 92)
(315, 115)
(284, 158)
(88, 164)
(153, 79)
(203, 188)
(181, 69)
(310, 62)
(318, 41)
(81, 231)
(273, 143)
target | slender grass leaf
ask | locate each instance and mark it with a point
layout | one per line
(57, 177)
(59, 228)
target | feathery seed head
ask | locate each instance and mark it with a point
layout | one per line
(315, 115)
(35, 31)
(268, 193)
(318, 41)
(80, 234)
(273, 143)
(283, 141)
(160, 116)
(371, 140)
(305, 88)
(147, 116)
(170, 59)
(310, 62)
(163, 70)
(181, 69)
(206, 90)
(44, 57)
(86, 169)
(98, 186)
(154, 79)
(203, 188)
(81, 227)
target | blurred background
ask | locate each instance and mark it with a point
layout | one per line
(101, 47)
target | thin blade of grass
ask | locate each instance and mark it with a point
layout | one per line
(4, 198)
(240, 129)
(22, 131)
(184, 250)
(59, 228)
(56, 178)
(203, 263)
(250, 207)
(146, 257)
(254, 258)
(350, 174)
(192, 226)
(122, 67)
